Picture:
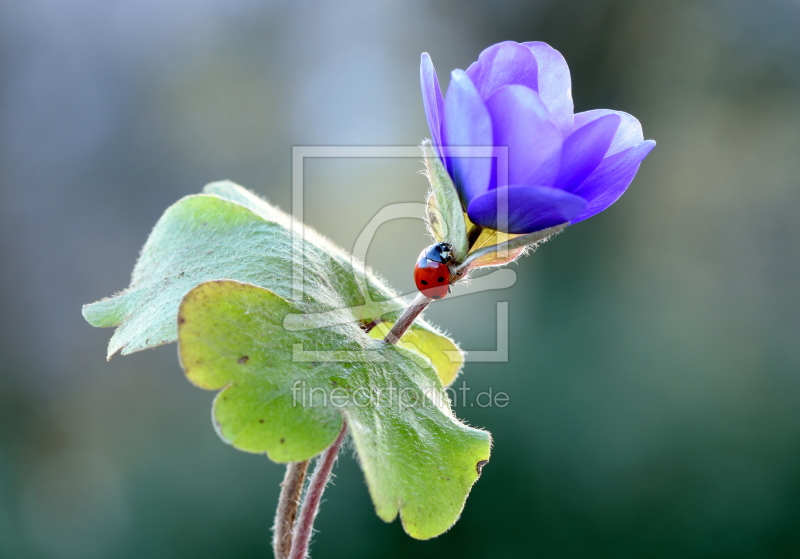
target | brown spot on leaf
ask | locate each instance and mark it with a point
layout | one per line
(243, 359)
(261, 421)
(283, 440)
(479, 466)
(181, 320)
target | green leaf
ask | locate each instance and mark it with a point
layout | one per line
(445, 215)
(230, 233)
(283, 392)
(446, 357)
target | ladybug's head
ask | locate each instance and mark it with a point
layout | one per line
(440, 252)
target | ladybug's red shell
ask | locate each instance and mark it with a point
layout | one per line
(431, 274)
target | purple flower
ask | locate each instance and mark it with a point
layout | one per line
(560, 167)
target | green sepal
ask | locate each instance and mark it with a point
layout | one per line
(445, 215)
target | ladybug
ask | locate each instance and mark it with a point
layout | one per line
(432, 274)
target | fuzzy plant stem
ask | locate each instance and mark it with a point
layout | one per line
(291, 542)
(288, 503)
(313, 496)
(407, 319)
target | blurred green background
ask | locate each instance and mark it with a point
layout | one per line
(654, 372)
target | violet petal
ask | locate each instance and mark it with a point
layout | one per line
(610, 180)
(521, 123)
(432, 99)
(628, 135)
(584, 150)
(555, 84)
(524, 209)
(506, 63)
(466, 123)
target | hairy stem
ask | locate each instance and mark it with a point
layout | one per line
(295, 546)
(288, 503)
(407, 319)
(313, 497)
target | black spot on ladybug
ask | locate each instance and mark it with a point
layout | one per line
(243, 359)
(440, 280)
(436, 297)
(423, 282)
(479, 466)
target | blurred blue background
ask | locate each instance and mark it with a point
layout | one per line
(654, 370)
